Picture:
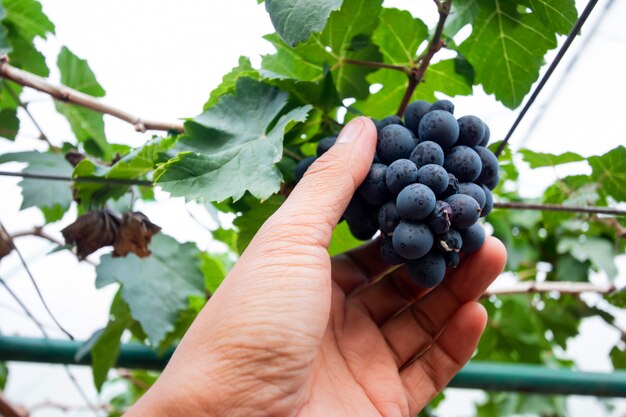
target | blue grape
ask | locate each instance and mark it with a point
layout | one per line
(465, 210)
(364, 228)
(440, 219)
(475, 191)
(429, 270)
(453, 187)
(489, 162)
(434, 177)
(357, 208)
(412, 240)
(389, 120)
(473, 238)
(485, 139)
(471, 131)
(445, 105)
(394, 142)
(414, 113)
(388, 218)
(302, 166)
(439, 126)
(325, 144)
(452, 259)
(493, 183)
(427, 152)
(415, 202)
(488, 201)
(464, 163)
(389, 254)
(451, 241)
(373, 190)
(400, 174)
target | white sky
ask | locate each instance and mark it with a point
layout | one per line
(160, 59)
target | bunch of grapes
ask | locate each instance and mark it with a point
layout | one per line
(430, 182)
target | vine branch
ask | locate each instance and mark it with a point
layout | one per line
(563, 287)
(38, 231)
(374, 64)
(417, 72)
(69, 95)
(557, 207)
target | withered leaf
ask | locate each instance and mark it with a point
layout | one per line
(6, 244)
(92, 231)
(135, 234)
(74, 157)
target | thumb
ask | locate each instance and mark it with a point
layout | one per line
(322, 195)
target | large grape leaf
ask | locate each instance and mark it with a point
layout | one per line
(53, 197)
(233, 146)
(135, 165)
(398, 36)
(251, 221)
(341, 39)
(229, 81)
(9, 124)
(462, 13)
(28, 18)
(540, 159)
(296, 20)
(610, 171)
(597, 250)
(24, 55)
(559, 15)
(156, 288)
(5, 46)
(506, 49)
(87, 125)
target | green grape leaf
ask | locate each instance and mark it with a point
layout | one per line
(514, 404)
(24, 55)
(539, 159)
(609, 170)
(342, 240)
(462, 13)
(296, 20)
(617, 298)
(4, 375)
(214, 268)
(569, 268)
(87, 125)
(440, 77)
(398, 36)
(597, 250)
(156, 288)
(134, 165)
(229, 81)
(618, 357)
(506, 49)
(340, 40)
(233, 146)
(28, 18)
(5, 46)
(249, 223)
(9, 124)
(43, 193)
(558, 15)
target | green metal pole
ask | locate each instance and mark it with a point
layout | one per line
(476, 375)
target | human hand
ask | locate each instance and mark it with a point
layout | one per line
(292, 332)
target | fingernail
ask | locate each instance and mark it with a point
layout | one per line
(351, 131)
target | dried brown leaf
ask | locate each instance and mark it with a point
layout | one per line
(135, 234)
(6, 243)
(92, 231)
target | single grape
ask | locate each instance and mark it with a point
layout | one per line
(488, 201)
(453, 187)
(412, 240)
(357, 208)
(439, 126)
(429, 270)
(400, 174)
(389, 254)
(471, 131)
(373, 190)
(475, 191)
(465, 210)
(302, 166)
(484, 141)
(451, 241)
(489, 162)
(427, 152)
(389, 120)
(325, 144)
(443, 105)
(414, 113)
(440, 219)
(415, 202)
(464, 163)
(452, 259)
(493, 183)
(473, 238)
(434, 177)
(394, 142)
(363, 229)
(388, 218)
